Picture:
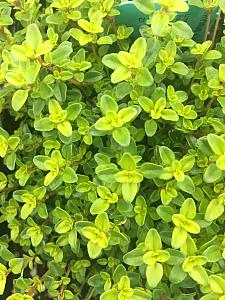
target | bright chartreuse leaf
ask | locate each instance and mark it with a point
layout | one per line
(19, 98)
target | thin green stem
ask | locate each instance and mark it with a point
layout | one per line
(114, 30)
(216, 28)
(209, 104)
(63, 287)
(72, 80)
(98, 59)
(207, 25)
(90, 293)
(33, 289)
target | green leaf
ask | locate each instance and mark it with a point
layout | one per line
(127, 114)
(108, 103)
(165, 213)
(179, 68)
(179, 237)
(111, 61)
(212, 173)
(220, 163)
(222, 5)
(19, 98)
(10, 161)
(33, 36)
(18, 296)
(153, 240)
(177, 274)
(73, 111)
(65, 128)
(159, 23)
(134, 257)
(3, 272)
(150, 127)
(120, 74)
(150, 170)
(141, 294)
(186, 185)
(214, 210)
(44, 124)
(99, 206)
(192, 227)
(212, 54)
(182, 29)
(42, 211)
(39, 161)
(119, 272)
(26, 210)
(5, 254)
(146, 103)
(127, 162)
(32, 71)
(212, 253)
(222, 72)
(170, 115)
(154, 274)
(63, 226)
(69, 175)
(121, 136)
(3, 146)
(16, 265)
(61, 53)
(15, 78)
(105, 40)
(5, 20)
(145, 6)
(49, 178)
(176, 257)
(13, 142)
(217, 284)
(167, 155)
(188, 208)
(129, 191)
(138, 48)
(199, 275)
(216, 143)
(144, 77)
(104, 124)
(93, 250)
(109, 295)
(102, 222)
(197, 3)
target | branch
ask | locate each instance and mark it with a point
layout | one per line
(33, 289)
(114, 30)
(63, 287)
(216, 27)
(72, 80)
(207, 25)
(90, 293)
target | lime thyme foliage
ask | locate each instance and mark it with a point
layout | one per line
(112, 153)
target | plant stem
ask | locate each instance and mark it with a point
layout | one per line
(216, 28)
(86, 279)
(90, 293)
(207, 25)
(114, 30)
(98, 59)
(32, 290)
(72, 80)
(5, 35)
(209, 104)
(63, 287)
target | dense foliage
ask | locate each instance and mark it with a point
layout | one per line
(112, 153)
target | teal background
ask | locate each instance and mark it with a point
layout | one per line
(195, 18)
